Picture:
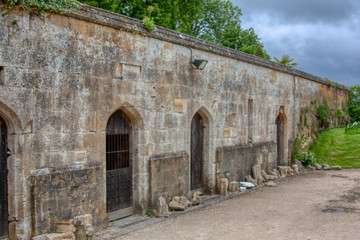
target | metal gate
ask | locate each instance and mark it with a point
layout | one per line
(4, 225)
(118, 162)
(278, 140)
(197, 139)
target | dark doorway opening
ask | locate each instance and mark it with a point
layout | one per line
(4, 213)
(118, 166)
(197, 145)
(279, 141)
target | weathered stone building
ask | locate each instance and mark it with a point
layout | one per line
(91, 103)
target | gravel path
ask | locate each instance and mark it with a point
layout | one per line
(315, 205)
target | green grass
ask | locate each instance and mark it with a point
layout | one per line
(334, 147)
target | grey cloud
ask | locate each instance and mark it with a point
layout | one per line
(331, 11)
(323, 36)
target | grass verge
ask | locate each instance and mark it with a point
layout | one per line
(334, 147)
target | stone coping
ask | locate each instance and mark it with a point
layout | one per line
(121, 22)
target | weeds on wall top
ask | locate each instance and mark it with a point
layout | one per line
(148, 22)
(40, 6)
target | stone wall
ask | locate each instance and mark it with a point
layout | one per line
(169, 176)
(235, 162)
(62, 76)
(63, 193)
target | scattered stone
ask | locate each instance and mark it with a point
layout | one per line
(283, 171)
(337, 167)
(65, 227)
(290, 172)
(234, 186)
(313, 168)
(196, 198)
(325, 165)
(273, 177)
(277, 172)
(264, 176)
(317, 166)
(242, 189)
(162, 208)
(83, 223)
(295, 168)
(40, 237)
(80, 233)
(247, 184)
(270, 184)
(256, 172)
(248, 178)
(327, 168)
(223, 188)
(179, 203)
(60, 236)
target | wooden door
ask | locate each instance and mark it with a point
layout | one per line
(278, 141)
(197, 141)
(4, 215)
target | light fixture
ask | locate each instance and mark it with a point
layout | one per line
(197, 63)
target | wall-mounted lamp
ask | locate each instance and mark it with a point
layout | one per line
(197, 63)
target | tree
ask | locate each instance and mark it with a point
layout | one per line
(217, 21)
(287, 61)
(354, 103)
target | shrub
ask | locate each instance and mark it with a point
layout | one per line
(353, 128)
(308, 158)
(339, 113)
(299, 146)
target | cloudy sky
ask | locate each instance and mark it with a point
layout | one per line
(323, 36)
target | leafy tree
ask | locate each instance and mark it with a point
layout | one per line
(354, 103)
(217, 21)
(287, 61)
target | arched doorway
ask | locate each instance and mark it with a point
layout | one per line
(4, 213)
(197, 153)
(118, 166)
(280, 146)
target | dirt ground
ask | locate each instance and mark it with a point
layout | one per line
(315, 205)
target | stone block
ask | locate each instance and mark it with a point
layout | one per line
(256, 171)
(162, 208)
(40, 237)
(179, 203)
(317, 166)
(283, 171)
(234, 186)
(265, 176)
(196, 198)
(65, 227)
(337, 167)
(295, 168)
(60, 236)
(248, 178)
(223, 188)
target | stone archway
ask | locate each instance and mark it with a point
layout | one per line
(119, 171)
(202, 119)
(281, 139)
(133, 124)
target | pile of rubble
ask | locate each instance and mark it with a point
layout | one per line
(79, 228)
(259, 177)
(325, 167)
